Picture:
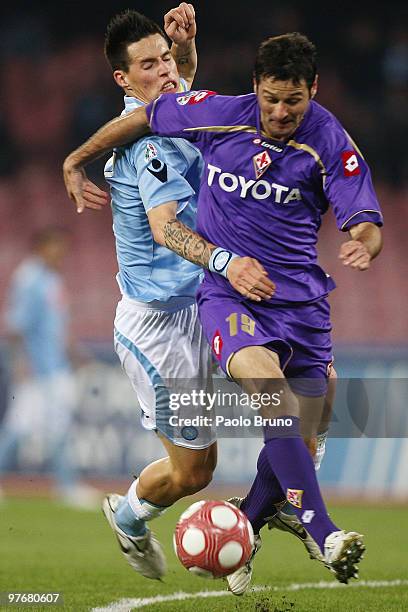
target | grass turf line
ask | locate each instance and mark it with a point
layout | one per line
(46, 547)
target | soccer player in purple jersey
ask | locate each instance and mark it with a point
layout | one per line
(275, 161)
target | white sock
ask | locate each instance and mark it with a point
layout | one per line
(142, 508)
(320, 450)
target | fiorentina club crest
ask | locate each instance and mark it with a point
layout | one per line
(294, 497)
(217, 344)
(262, 161)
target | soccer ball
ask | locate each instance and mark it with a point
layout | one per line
(213, 539)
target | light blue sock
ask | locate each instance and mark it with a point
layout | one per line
(133, 513)
(126, 520)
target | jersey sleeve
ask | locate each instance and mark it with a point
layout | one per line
(193, 114)
(23, 306)
(159, 168)
(347, 184)
(183, 85)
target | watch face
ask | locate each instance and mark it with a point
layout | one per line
(221, 260)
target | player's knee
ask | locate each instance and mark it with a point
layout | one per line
(199, 479)
(195, 480)
(203, 478)
(282, 401)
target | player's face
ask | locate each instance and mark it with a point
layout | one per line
(152, 69)
(283, 105)
(53, 252)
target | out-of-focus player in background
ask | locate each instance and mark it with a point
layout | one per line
(158, 336)
(156, 324)
(43, 394)
(275, 160)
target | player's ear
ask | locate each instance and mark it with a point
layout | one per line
(313, 89)
(120, 78)
(255, 85)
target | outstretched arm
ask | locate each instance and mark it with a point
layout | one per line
(365, 244)
(180, 26)
(118, 131)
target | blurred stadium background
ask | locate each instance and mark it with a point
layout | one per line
(57, 89)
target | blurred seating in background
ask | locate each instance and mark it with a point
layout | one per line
(57, 89)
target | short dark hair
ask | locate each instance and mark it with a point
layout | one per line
(46, 235)
(289, 57)
(123, 30)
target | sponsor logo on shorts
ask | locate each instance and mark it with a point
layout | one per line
(267, 145)
(194, 97)
(150, 151)
(189, 433)
(350, 163)
(217, 344)
(294, 497)
(262, 161)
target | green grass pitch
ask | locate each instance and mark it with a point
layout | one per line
(47, 547)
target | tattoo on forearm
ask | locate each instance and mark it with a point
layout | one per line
(183, 241)
(183, 59)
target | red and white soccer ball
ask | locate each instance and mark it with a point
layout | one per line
(213, 539)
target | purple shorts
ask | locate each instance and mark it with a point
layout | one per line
(299, 333)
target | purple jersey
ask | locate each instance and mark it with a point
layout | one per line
(264, 198)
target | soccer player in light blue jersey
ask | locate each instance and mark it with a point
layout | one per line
(158, 337)
(156, 325)
(43, 395)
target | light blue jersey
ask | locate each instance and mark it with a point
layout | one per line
(143, 175)
(37, 311)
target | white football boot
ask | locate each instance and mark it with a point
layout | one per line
(240, 580)
(342, 551)
(144, 553)
(342, 568)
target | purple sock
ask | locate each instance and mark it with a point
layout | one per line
(265, 492)
(290, 461)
